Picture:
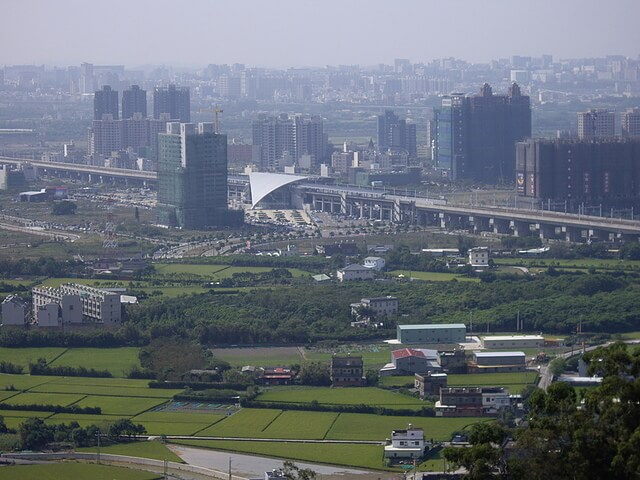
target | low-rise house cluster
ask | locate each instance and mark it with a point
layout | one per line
(408, 361)
(472, 401)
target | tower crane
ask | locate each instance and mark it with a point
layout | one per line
(215, 112)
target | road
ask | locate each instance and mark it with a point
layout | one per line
(254, 467)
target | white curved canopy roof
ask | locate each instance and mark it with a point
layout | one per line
(264, 183)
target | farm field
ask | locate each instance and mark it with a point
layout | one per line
(117, 360)
(145, 449)
(363, 426)
(260, 356)
(65, 471)
(492, 379)
(24, 356)
(124, 406)
(578, 263)
(432, 276)
(362, 456)
(342, 396)
(216, 272)
(248, 422)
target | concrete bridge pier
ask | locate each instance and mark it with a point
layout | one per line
(479, 224)
(499, 225)
(520, 229)
(572, 234)
(546, 231)
(343, 203)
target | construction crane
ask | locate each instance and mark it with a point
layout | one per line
(215, 112)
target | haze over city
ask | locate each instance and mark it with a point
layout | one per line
(295, 33)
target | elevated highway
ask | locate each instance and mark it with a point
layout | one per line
(389, 205)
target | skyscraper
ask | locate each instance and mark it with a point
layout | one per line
(174, 101)
(105, 102)
(277, 138)
(631, 123)
(134, 100)
(396, 133)
(476, 135)
(192, 177)
(596, 123)
(601, 172)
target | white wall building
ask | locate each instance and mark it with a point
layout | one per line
(407, 443)
(479, 257)
(354, 272)
(80, 303)
(512, 341)
(14, 311)
(376, 263)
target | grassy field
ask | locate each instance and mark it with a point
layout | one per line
(247, 422)
(126, 406)
(28, 398)
(297, 424)
(216, 272)
(75, 471)
(117, 360)
(341, 396)
(23, 356)
(432, 276)
(492, 379)
(260, 356)
(147, 449)
(578, 263)
(362, 456)
(400, 381)
(360, 426)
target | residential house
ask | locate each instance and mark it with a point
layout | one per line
(354, 272)
(347, 371)
(407, 443)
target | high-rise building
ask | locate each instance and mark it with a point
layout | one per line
(172, 100)
(134, 100)
(105, 102)
(105, 136)
(192, 177)
(311, 139)
(605, 171)
(596, 123)
(282, 139)
(396, 133)
(631, 123)
(86, 78)
(476, 135)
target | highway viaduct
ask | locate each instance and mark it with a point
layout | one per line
(385, 205)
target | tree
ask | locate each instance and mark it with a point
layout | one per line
(292, 472)
(485, 456)
(64, 207)
(315, 373)
(35, 434)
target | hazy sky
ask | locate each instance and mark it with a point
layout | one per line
(310, 32)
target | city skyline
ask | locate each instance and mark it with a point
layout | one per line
(289, 33)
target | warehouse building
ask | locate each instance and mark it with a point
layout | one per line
(512, 341)
(432, 333)
(496, 362)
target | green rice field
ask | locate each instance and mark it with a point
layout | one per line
(76, 471)
(341, 396)
(432, 276)
(146, 449)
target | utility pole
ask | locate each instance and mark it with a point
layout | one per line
(98, 454)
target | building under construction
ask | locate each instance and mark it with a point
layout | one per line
(192, 178)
